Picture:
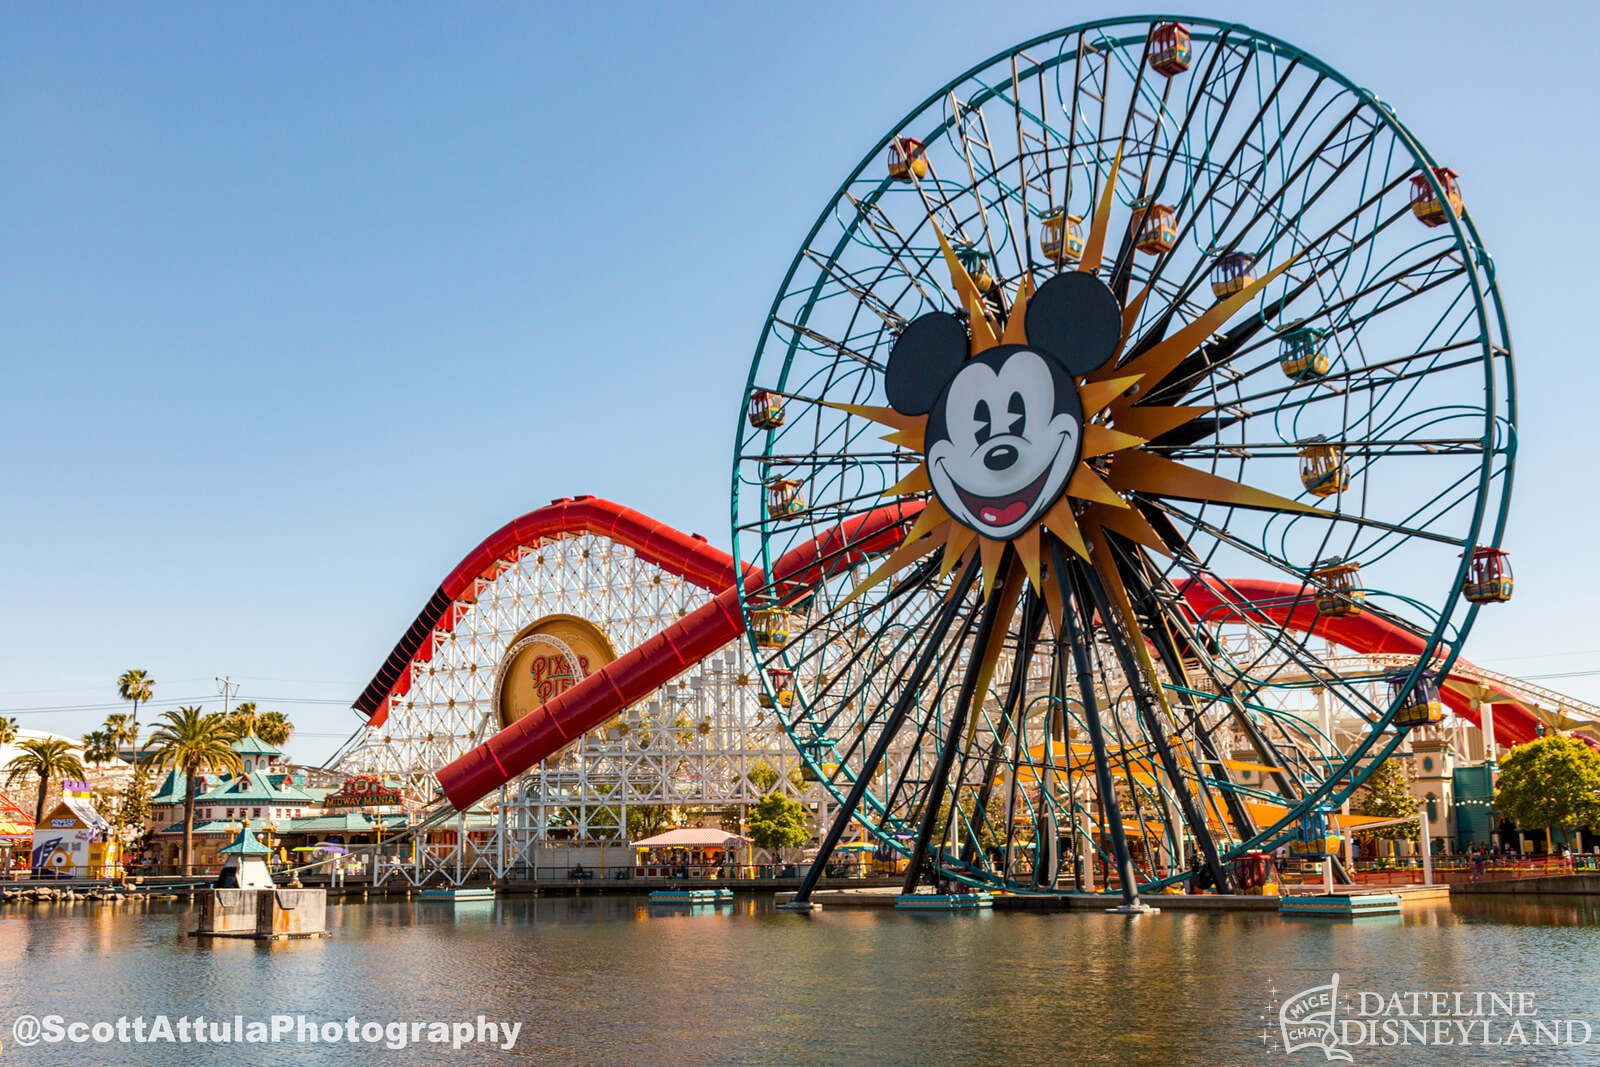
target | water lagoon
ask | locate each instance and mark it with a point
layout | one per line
(615, 980)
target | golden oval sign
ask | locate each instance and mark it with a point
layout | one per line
(546, 659)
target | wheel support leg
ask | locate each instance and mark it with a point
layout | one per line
(1097, 740)
(958, 721)
(902, 706)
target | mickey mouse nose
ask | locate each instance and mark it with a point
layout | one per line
(1000, 457)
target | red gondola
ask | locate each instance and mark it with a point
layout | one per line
(782, 688)
(1170, 48)
(766, 410)
(1489, 579)
(1255, 874)
(1426, 204)
(907, 158)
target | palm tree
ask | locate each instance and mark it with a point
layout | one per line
(192, 741)
(123, 729)
(8, 731)
(98, 747)
(274, 728)
(47, 758)
(137, 686)
(244, 719)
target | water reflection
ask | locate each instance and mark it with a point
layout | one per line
(610, 979)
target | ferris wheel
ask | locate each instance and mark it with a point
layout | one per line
(1151, 335)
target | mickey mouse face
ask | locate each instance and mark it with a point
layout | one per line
(1004, 440)
(1005, 428)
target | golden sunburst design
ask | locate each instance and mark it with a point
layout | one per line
(1113, 463)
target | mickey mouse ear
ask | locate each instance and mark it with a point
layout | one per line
(927, 354)
(1076, 318)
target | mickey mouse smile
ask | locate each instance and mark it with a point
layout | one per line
(1003, 511)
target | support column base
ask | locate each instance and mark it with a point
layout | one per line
(797, 905)
(1133, 909)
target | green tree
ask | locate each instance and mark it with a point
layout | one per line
(1548, 784)
(98, 747)
(46, 758)
(1386, 794)
(778, 822)
(123, 729)
(274, 728)
(134, 808)
(193, 742)
(8, 731)
(647, 820)
(244, 719)
(763, 777)
(106, 802)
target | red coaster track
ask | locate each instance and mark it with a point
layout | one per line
(656, 661)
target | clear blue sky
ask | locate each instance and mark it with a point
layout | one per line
(299, 302)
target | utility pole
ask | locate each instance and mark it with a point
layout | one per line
(227, 687)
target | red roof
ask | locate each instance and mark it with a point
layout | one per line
(14, 822)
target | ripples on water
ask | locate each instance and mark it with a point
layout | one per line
(612, 980)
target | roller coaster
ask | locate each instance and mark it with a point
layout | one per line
(432, 723)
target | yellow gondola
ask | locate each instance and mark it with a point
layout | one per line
(976, 264)
(1231, 273)
(783, 497)
(1339, 592)
(1062, 238)
(771, 627)
(1156, 230)
(1419, 704)
(1322, 468)
(1304, 356)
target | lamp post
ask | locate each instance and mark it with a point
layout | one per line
(1427, 843)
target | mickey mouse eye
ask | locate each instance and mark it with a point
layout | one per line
(980, 415)
(1019, 411)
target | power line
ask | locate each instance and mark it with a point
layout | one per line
(1566, 674)
(167, 703)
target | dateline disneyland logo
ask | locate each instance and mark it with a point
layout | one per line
(1332, 1021)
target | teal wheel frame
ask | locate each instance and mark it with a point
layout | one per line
(1214, 703)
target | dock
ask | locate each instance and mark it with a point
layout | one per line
(887, 897)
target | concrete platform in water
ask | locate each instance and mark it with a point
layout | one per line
(262, 914)
(454, 895)
(1342, 905)
(691, 896)
(887, 898)
(944, 901)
